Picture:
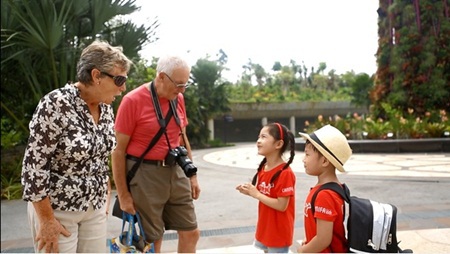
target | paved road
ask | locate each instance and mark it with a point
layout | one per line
(418, 184)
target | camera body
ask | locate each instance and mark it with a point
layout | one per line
(179, 155)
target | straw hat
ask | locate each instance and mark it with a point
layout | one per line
(332, 144)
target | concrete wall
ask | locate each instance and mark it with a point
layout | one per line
(296, 109)
(247, 118)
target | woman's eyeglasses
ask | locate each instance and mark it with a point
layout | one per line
(118, 80)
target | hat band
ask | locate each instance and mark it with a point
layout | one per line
(316, 139)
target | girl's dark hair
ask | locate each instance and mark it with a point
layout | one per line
(279, 132)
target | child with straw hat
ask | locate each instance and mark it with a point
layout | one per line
(326, 150)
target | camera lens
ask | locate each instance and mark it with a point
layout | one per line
(179, 155)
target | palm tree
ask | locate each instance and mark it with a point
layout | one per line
(42, 40)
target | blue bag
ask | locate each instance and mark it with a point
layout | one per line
(130, 241)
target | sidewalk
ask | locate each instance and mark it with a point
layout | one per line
(418, 184)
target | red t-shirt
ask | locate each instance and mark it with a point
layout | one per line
(276, 228)
(328, 206)
(136, 117)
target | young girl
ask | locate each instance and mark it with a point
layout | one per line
(274, 186)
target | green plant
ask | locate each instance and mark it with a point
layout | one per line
(11, 166)
(218, 143)
(436, 130)
(395, 125)
(378, 129)
(11, 135)
(11, 188)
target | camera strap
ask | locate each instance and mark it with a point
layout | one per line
(173, 106)
(173, 109)
(158, 111)
(155, 139)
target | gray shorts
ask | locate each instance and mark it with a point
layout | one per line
(162, 196)
(266, 249)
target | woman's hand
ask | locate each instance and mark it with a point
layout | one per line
(48, 235)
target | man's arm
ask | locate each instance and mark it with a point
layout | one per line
(184, 141)
(118, 162)
(195, 187)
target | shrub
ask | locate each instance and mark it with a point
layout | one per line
(396, 125)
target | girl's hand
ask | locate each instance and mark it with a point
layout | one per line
(239, 188)
(248, 189)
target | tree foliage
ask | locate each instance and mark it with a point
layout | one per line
(207, 99)
(360, 89)
(294, 82)
(42, 41)
(41, 44)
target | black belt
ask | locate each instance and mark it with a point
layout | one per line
(151, 162)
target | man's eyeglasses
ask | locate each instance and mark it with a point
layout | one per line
(118, 80)
(177, 85)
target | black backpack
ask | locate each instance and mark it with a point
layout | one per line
(371, 226)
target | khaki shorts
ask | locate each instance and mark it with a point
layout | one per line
(162, 196)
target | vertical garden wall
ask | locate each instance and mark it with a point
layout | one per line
(413, 56)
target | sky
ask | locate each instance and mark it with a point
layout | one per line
(341, 33)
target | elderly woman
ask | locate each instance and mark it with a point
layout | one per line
(65, 168)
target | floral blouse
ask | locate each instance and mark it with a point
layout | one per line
(67, 154)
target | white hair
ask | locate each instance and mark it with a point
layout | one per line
(168, 64)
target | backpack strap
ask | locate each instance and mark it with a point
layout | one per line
(343, 191)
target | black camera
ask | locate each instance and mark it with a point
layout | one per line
(179, 156)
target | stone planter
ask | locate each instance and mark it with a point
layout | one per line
(430, 145)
